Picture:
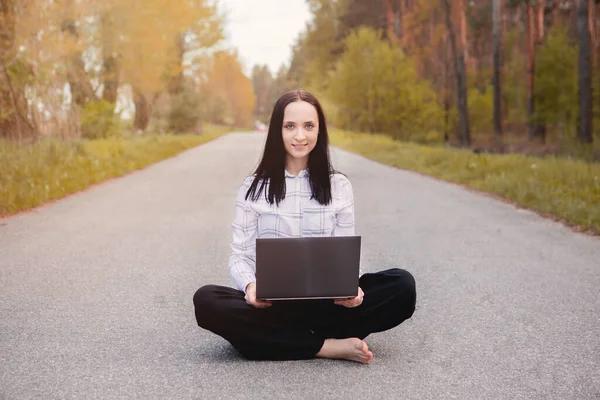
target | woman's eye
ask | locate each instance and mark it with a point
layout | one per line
(289, 126)
(309, 126)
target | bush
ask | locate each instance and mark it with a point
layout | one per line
(377, 89)
(481, 110)
(186, 112)
(556, 84)
(98, 120)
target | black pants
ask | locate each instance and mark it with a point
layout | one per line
(292, 330)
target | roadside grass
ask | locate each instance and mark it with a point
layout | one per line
(50, 169)
(567, 190)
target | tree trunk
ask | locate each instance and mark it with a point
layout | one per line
(540, 21)
(464, 44)
(392, 21)
(445, 89)
(585, 74)
(531, 70)
(389, 19)
(79, 80)
(497, 44)
(539, 128)
(400, 23)
(82, 90)
(398, 20)
(142, 111)
(593, 33)
(176, 84)
(110, 59)
(460, 75)
(555, 13)
(14, 122)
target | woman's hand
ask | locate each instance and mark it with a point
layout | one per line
(251, 297)
(351, 302)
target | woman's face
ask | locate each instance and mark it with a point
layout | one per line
(300, 129)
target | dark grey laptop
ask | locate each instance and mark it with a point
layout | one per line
(307, 267)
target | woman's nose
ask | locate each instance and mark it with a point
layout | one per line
(300, 134)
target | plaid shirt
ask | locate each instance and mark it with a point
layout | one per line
(296, 216)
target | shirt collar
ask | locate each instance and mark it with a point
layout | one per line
(301, 174)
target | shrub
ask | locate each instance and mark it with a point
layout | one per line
(186, 112)
(98, 120)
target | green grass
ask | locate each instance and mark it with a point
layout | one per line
(568, 190)
(31, 175)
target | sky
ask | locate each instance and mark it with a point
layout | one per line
(264, 31)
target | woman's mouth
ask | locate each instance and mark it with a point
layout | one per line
(299, 146)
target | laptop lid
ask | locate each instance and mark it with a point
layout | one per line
(307, 267)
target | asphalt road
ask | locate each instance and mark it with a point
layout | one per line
(96, 292)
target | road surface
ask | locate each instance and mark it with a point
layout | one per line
(96, 292)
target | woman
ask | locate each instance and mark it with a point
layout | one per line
(295, 192)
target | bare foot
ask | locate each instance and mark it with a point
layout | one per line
(352, 349)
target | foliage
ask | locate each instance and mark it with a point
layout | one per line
(98, 120)
(268, 89)
(321, 45)
(96, 49)
(556, 82)
(186, 111)
(230, 90)
(514, 89)
(421, 31)
(217, 109)
(149, 44)
(377, 89)
(262, 84)
(481, 109)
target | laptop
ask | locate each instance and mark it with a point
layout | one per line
(307, 267)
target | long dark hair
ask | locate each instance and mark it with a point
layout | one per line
(271, 169)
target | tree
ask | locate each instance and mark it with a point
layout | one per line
(535, 38)
(100, 51)
(321, 45)
(460, 73)
(376, 89)
(79, 80)
(226, 80)
(282, 83)
(262, 83)
(585, 74)
(497, 12)
(110, 55)
(556, 82)
(392, 21)
(14, 72)
(154, 48)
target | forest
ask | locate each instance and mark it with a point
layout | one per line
(96, 69)
(497, 75)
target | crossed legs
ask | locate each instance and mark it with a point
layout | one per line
(290, 330)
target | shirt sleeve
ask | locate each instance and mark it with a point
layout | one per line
(344, 218)
(242, 262)
(344, 225)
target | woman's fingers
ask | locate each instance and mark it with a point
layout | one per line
(349, 303)
(352, 302)
(251, 300)
(262, 304)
